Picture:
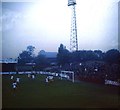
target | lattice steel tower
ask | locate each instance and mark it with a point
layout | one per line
(73, 34)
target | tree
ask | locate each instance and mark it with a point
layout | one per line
(99, 54)
(63, 56)
(31, 49)
(90, 55)
(83, 55)
(41, 60)
(112, 56)
(27, 56)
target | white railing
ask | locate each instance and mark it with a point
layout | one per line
(30, 72)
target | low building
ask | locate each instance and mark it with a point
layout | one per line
(8, 65)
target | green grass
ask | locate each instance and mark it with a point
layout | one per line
(58, 94)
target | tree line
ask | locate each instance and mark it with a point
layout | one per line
(64, 56)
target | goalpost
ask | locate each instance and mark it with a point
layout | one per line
(68, 74)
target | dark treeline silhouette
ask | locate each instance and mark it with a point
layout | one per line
(95, 66)
(65, 57)
(27, 58)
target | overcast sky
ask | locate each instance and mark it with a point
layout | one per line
(46, 24)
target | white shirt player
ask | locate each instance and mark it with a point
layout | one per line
(33, 76)
(50, 77)
(29, 75)
(14, 85)
(11, 77)
(46, 79)
(18, 80)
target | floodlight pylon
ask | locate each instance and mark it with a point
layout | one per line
(73, 33)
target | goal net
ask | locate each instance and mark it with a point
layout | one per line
(69, 75)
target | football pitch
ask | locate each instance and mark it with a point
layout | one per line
(36, 93)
